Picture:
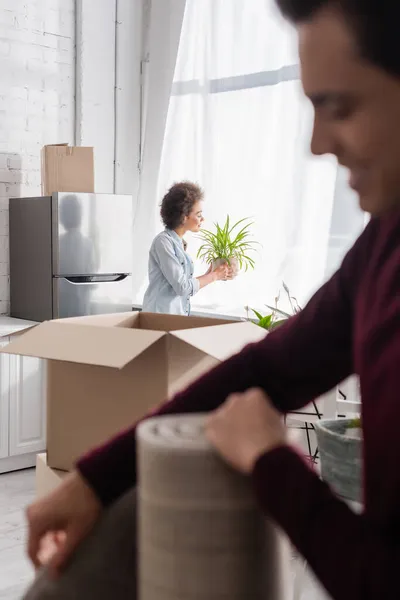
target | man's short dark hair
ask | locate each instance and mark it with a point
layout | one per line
(178, 203)
(376, 24)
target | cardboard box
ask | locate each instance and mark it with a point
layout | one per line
(106, 372)
(67, 169)
(46, 478)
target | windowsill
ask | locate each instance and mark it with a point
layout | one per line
(220, 311)
(216, 312)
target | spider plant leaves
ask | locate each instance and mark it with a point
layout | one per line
(294, 305)
(279, 311)
(258, 315)
(276, 324)
(228, 241)
(263, 321)
(270, 321)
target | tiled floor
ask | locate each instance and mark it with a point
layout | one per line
(17, 491)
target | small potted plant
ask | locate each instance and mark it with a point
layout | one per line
(340, 449)
(231, 244)
(277, 317)
(339, 440)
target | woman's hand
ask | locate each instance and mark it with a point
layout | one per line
(222, 272)
(245, 427)
(61, 521)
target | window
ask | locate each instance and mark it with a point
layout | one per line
(239, 125)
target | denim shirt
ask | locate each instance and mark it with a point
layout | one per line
(171, 281)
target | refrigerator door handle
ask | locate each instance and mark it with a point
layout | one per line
(82, 295)
(90, 279)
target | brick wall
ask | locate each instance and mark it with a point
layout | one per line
(37, 99)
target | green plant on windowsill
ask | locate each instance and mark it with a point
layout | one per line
(229, 243)
(277, 317)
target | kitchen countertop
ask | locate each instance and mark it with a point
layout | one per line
(9, 325)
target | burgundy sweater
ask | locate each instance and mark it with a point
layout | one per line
(352, 325)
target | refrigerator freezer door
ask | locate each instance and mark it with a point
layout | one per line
(79, 296)
(92, 234)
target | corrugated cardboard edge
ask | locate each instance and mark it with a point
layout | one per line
(222, 341)
(108, 320)
(158, 321)
(113, 347)
(19, 332)
(113, 320)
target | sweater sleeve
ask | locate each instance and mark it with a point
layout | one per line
(353, 559)
(294, 364)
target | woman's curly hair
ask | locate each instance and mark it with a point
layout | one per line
(178, 203)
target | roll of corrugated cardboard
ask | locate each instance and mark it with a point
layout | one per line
(201, 534)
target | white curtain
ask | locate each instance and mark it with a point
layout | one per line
(163, 25)
(239, 125)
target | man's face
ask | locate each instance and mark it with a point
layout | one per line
(357, 110)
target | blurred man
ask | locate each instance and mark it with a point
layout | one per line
(350, 59)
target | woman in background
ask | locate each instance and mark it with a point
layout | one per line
(171, 280)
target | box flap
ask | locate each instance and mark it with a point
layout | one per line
(107, 320)
(85, 344)
(18, 332)
(222, 341)
(162, 322)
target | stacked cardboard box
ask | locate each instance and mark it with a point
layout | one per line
(67, 169)
(106, 372)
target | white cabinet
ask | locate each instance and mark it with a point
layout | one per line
(27, 418)
(22, 410)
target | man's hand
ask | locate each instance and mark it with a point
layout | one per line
(59, 522)
(246, 426)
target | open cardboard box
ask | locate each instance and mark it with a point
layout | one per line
(106, 372)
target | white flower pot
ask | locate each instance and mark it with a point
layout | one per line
(341, 457)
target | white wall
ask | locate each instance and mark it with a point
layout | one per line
(69, 72)
(37, 87)
(95, 85)
(109, 49)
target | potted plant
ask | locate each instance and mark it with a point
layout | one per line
(339, 441)
(277, 317)
(231, 244)
(340, 449)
